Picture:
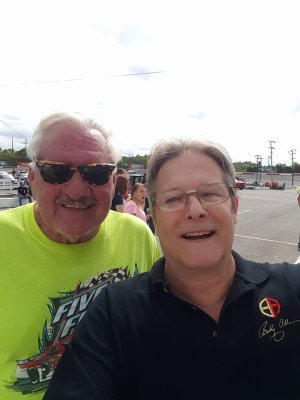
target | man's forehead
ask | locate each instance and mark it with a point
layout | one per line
(64, 145)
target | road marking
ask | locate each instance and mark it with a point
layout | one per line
(266, 240)
(270, 240)
(241, 212)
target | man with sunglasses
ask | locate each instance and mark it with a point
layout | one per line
(58, 253)
(204, 323)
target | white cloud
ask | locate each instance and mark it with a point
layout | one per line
(229, 70)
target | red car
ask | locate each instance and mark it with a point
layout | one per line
(240, 184)
(37, 370)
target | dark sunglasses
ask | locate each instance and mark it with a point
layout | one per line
(55, 172)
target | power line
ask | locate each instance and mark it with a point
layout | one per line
(79, 79)
(11, 127)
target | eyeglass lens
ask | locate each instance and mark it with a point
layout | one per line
(175, 200)
(61, 173)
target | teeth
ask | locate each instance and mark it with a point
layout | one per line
(74, 206)
(196, 234)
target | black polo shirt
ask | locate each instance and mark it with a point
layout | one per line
(140, 342)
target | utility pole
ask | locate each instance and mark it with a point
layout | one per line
(292, 152)
(258, 167)
(260, 163)
(271, 157)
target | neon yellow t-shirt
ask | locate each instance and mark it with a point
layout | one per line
(46, 287)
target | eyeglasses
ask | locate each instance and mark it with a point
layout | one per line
(208, 195)
(55, 172)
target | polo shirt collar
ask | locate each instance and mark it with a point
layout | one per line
(247, 271)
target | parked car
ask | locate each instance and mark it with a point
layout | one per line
(21, 175)
(7, 181)
(239, 184)
(274, 185)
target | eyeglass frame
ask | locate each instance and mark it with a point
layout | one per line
(231, 192)
(73, 167)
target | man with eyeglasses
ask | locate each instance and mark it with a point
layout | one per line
(205, 323)
(58, 253)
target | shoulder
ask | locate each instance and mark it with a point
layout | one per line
(15, 221)
(130, 236)
(141, 284)
(123, 294)
(118, 198)
(283, 274)
(130, 204)
(118, 221)
(11, 215)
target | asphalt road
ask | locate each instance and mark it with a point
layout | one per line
(268, 225)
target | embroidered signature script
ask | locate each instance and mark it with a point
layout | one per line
(274, 332)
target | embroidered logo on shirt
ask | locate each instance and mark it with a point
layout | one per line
(269, 307)
(277, 329)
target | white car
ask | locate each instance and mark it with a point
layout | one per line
(7, 181)
(21, 175)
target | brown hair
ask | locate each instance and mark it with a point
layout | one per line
(169, 149)
(135, 188)
(121, 185)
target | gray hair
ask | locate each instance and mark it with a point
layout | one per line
(166, 150)
(77, 121)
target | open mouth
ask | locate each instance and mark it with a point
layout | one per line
(198, 235)
(82, 204)
(76, 206)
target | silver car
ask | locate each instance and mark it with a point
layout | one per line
(7, 181)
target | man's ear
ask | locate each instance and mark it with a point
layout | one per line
(235, 205)
(114, 181)
(31, 175)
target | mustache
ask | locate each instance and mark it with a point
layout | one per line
(83, 202)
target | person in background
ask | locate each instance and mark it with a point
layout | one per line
(58, 253)
(149, 218)
(121, 192)
(204, 323)
(123, 172)
(136, 204)
(23, 193)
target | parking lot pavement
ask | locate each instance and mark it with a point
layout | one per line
(8, 199)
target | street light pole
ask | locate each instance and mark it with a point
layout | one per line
(271, 157)
(258, 167)
(260, 163)
(292, 152)
(269, 160)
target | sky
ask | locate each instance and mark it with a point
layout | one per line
(227, 70)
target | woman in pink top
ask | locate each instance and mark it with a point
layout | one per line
(136, 204)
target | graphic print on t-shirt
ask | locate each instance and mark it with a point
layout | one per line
(34, 373)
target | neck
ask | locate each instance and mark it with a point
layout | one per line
(206, 291)
(139, 204)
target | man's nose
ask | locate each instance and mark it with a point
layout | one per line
(77, 186)
(194, 206)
